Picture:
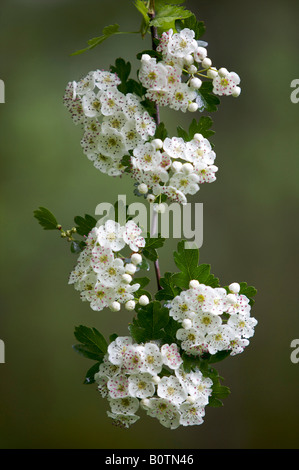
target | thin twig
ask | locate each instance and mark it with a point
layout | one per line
(154, 35)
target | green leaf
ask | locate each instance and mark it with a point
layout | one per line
(169, 289)
(89, 378)
(106, 33)
(85, 224)
(161, 131)
(149, 323)
(206, 100)
(77, 246)
(203, 127)
(191, 23)
(219, 356)
(142, 8)
(197, 127)
(249, 291)
(187, 262)
(45, 218)
(166, 16)
(151, 246)
(92, 343)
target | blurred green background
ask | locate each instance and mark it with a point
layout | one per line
(250, 223)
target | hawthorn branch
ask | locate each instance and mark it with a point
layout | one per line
(154, 35)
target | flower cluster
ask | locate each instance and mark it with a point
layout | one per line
(173, 167)
(113, 122)
(212, 319)
(183, 56)
(102, 275)
(152, 378)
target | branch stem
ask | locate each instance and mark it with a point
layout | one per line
(154, 35)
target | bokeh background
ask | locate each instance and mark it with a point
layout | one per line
(250, 223)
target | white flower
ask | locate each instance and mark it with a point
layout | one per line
(171, 356)
(237, 345)
(174, 194)
(118, 386)
(115, 121)
(132, 236)
(145, 125)
(175, 147)
(123, 420)
(117, 349)
(182, 43)
(74, 104)
(200, 388)
(152, 359)
(131, 136)
(181, 307)
(242, 325)
(206, 322)
(152, 74)
(146, 157)
(112, 101)
(110, 235)
(99, 298)
(105, 80)
(112, 144)
(112, 274)
(191, 414)
(91, 104)
(132, 359)
(141, 385)
(126, 405)
(186, 183)
(182, 97)
(132, 106)
(219, 339)
(225, 85)
(171, 389)
(166, 412)
(86, 84)
(190, 338)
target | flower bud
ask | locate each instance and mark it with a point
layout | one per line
(177, 166)
(127, 278)
(192, 69)
(193, 107)
(115, 306)
(142, 188)
(130, 268)
(223, 72)
(130, 305)
(157, 143)
(186, 323)
(212, 73)
(156, 379)
(150, 198)
(195, 83)
(234, 288)
(206, 63)
(145, 57)
(194, 284)
(187, 168)
(200, 53)
(236, 92)
(136, 258)
(188, 59)
(143, 300)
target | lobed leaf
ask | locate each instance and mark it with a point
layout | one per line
(45, 218)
